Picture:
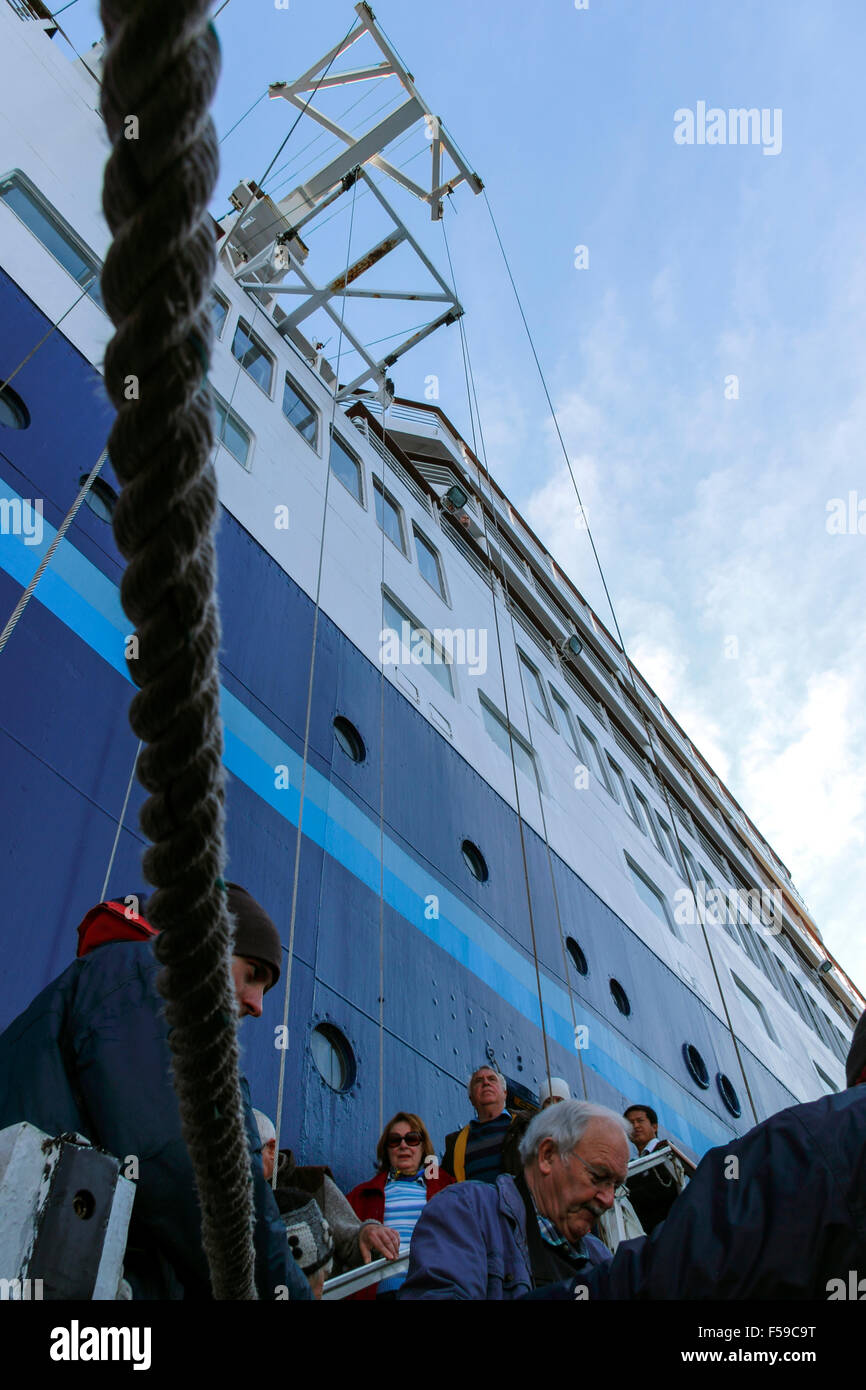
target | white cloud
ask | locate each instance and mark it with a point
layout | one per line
(709, 516)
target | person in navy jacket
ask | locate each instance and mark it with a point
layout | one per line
(91, 1055)
(530, 1235)
(777, 1214)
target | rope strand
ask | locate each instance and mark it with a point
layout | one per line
(160, 71)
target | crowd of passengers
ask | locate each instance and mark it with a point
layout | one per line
(511, 1209)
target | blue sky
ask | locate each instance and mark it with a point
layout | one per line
(705, 262)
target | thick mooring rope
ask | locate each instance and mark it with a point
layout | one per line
(161, 66)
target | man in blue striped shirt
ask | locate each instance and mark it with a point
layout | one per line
(475, 1151)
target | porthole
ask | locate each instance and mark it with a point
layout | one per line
(620, 998)
(13, 412)
(578, 959)
(101, 499)
(729, 1095)
(333, 1056)
(349, 739)
(696, 1065)
(474, 861)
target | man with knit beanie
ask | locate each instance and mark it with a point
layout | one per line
(91, 1055)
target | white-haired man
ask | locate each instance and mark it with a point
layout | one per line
(530, 1234)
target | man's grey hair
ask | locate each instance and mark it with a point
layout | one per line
(265, 1127)
(566, 1125)
(485, 1066)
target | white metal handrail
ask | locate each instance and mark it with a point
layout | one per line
(365, 1275)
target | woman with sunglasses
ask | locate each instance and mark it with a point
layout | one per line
(408, 1176)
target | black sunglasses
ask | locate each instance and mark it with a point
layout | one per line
(412, 1138)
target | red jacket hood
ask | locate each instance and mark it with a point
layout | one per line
(111, 921)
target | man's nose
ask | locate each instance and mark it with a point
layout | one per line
(606, 1198)
(253, 1003)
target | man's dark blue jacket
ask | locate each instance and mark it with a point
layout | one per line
(776, 1214)
(91, 1054)
(470, 1242)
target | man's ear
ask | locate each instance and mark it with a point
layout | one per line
(547, 1152)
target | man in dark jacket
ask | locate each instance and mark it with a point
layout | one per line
(476, 1151)
(91, 1055)
(507, 1239)
(778, 1214)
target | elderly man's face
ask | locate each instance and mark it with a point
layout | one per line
(575, 1189)
(487, 1089)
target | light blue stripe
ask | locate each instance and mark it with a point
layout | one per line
(77, 592)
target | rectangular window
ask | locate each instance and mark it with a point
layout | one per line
(787, 987)
(389, 516)
(767, 959)
(534, 687)
(641, 808)
(670, 840)
(231, 431)
(497, 728)
(346, 467)
(429, 563)
(620, 787)
(831, 1085)
(692, 863)
(566, 723)
(253, 356)
(653, 897)
(746, 935)
(716, 906)
(594, 761)
(417, 644)
(841, 1044)
(817, 1022)
(219, 310)
(755, 1009)
(646, 815)
(300, 412)
(58, 238)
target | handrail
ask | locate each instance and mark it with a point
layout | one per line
(365, 1275)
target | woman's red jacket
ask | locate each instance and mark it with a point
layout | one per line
(367, 1200)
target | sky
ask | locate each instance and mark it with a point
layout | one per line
(706, 358)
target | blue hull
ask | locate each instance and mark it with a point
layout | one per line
(453, 983)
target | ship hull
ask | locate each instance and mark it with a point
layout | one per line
(383, 886)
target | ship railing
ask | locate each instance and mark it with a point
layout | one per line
(363, 1277)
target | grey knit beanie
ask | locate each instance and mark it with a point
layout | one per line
(308, 1233)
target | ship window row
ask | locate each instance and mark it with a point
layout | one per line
(344, 463)
(41, 218)
(695, 1064)
(741, 923)
(255, 358)
(302, 414)
(259, 363)
(59, 239)
(606, 717)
